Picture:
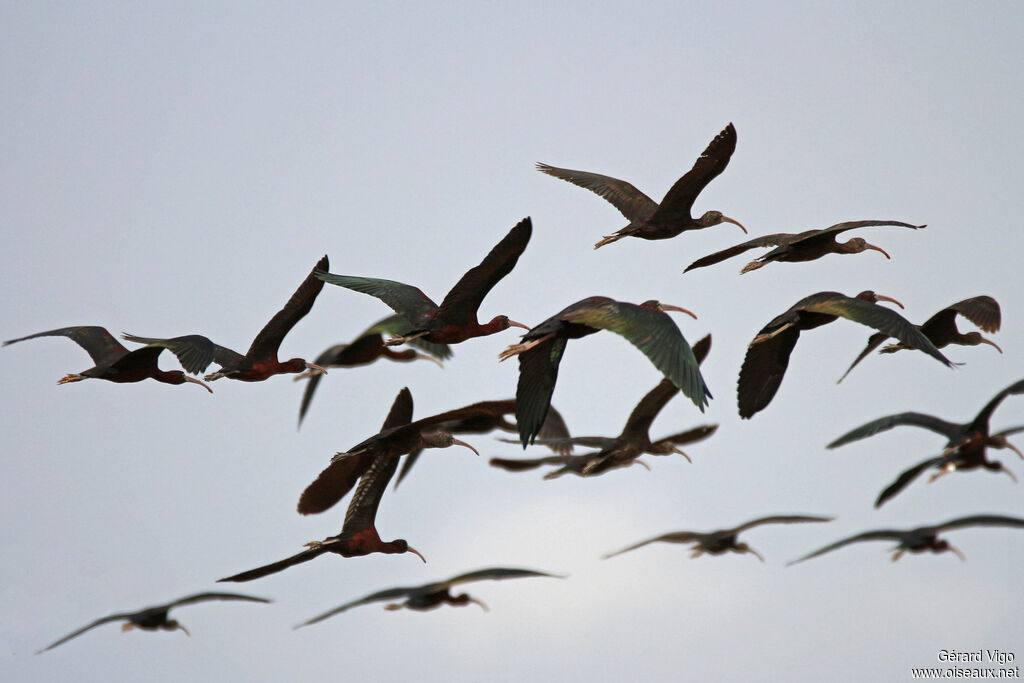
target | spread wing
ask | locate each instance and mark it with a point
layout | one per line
(405, 300)
(679, 199)
(631, 202)
(87, 627)
(101, 346)
(775, 240)
(874, 341)
(205, 597)
(273, 568)
(656, 335)
(762, 371)
(983, 311)
(780, 519)
(904, 480)
(947, 429)
(981, 520)
(462, 301)
(194, 351)
(674, 537)
(388, 594)
(877, 535)
(982, 418)
(264, 347)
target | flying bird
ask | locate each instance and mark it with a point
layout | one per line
(802, 246)
(629, 445)
(359, 532)
(971, 434)
(260, 361)
(921, 539)
(651, 221)
(941, 328)
(433, 595)
(455, 320)
(723, 540)
(153, 618)
(365, 349)
(115, 363)
(492, 417)
(768, 354)
(646, 326)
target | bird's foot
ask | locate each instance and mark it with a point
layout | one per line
(608, 239)
(516, 349)
(71, 378)
(753, 265)
(769, 335)
(214, 376)
(676, 450)
(890, 348)
(395, 341)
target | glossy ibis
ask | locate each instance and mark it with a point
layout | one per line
(646, 326)
(154, 618)
(630, 444)
(260, 361)
(921, 539)
(365, 349)
(651, 221)
(960, 436)
(433, 595)
(359, 532)
(455, 319)
(492, 417)
(941, 328)
(768, 354)
(723, 540)
(115, 363)
(802, 246)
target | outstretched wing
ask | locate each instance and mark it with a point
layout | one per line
(904, 480)
(523, 464)
(981, 420)
(980, 520)
(656, 335)
(388, 594)
(762, 371)
(874, 341)
(493, 574)
(674, 537)
(101, 346)
(882, 319)
(850, 225)
(764, 241)
(405, 300)
(538, 371)
(631, 202)
(264, 347)
(462, 301)
(983, 311)
(273, 568)
(947, 429)
(204, 597)
(679, 199)
(639, 421)
(194, 351)
(780, 519)
(87, 627)
(877, 535)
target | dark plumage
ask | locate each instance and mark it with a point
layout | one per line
(647, 219)
(365, 349)
(432, 595)
(768, 354)
(803, 246)
(921, 539)
(629, 445)
(455, 320)
(359, 532)
(645, 326)
(723, 540)
(154, 618)
(941, 328)
(115, 363)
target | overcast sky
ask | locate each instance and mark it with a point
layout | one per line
(179, 169)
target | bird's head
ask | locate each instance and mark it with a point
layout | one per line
(179, 377)
(502, 322)
(655, 305)
(300, 365)
(859, 244)
(875, 297)
(444, 440)
(999, 441)
(744, 548)
(975, 338)
(399, 546)
(715, 217)
(465, 599)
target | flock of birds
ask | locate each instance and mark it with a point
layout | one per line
(429, 329)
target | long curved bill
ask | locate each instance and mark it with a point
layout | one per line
(430, 358)
(956, 552)
(316, 369)
(884, 252)
(204, 385)
(991, 343)
(1015, 450)
(726, 219)
(479, 602)
(458, 442)
(513, 323)
(670, 307)
(882, 297)
(417, 553)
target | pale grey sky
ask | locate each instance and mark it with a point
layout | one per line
(179, 169)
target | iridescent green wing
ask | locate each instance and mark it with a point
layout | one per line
(631, 202)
